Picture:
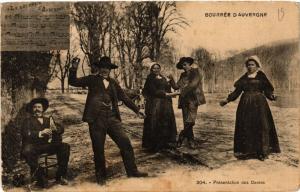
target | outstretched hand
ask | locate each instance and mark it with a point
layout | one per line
(170, 76)
(174, 94)
(141, 115)
(274, 97)
(223, 103)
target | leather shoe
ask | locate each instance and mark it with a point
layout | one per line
(181, 138)
(101, 180)
(192, 144)
(262, 157)
(62, 181)
(42, 182)
(138, 174)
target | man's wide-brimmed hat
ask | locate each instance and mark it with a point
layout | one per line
(105, 62)
(41, 100)
(183, 60)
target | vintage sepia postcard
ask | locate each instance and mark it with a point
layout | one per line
(150, 96)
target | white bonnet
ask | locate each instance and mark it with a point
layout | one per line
(254, 58)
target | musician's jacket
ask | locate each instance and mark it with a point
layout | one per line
(31, 128)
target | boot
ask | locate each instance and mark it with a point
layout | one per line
(61, 181)
(262, 157)
(42, 181)
(181, 138)
(138, 174)
(190, 135)
(192, 144)
(101, 178)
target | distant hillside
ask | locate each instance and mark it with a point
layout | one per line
(280, 60)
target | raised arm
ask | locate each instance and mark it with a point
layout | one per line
(77, 82)
(73, 80)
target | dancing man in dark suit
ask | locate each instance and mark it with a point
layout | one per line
(102, 114)
(191, 96)
(41, 135)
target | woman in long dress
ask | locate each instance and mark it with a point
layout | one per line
(255, 134)
(159, 125)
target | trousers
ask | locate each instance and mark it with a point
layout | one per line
(189, 113)
(31, 153)
(107, 123)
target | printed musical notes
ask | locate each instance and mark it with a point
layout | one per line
(35, 26)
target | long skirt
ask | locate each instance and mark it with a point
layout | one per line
(255, 132)
(159, 124)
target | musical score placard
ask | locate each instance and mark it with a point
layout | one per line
(35, 26)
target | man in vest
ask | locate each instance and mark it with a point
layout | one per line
(40, 134)
(191, 96)
(102, 114)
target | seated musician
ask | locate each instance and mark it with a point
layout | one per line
(42, 135)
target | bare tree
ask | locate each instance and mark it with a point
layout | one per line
(124, 43)
(93, 22)
(63, 67)
(207, 65)
(139, 30)
(24, 75)
(163, 18)
(140, 34)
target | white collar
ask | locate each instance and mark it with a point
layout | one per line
(106, 83)
(158, 77)
(40, 119)
(253, 75)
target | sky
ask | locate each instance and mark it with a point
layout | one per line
(223, 34)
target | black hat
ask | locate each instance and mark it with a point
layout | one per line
(43, 101)
(183, 60)
(105, 62)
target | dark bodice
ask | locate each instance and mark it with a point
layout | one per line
(247, 85)
(252, 85)
(155, 87)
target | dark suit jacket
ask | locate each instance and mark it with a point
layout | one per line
(191, 88)
(95, 88)
(31, 128)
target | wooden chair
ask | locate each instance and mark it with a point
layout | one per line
(47, 161)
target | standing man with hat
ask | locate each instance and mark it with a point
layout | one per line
(191, 96)
(102, 114)
(40, 134)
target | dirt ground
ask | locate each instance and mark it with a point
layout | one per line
(216, 170)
